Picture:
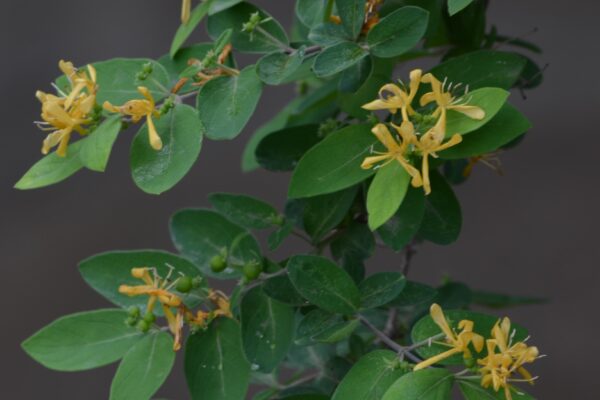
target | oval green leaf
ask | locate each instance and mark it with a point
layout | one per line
(338, 58)
(352, 14)
(276, 68)
(380, 289)
(281, 150)
(426, 384)
(400, 230)
(442, 221)
(398, 32)
(96, 150)
(490, 100)
(386, 193)
(185, 30)
(245, 211)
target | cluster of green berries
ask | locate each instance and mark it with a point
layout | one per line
(147, 69)
(251, 269)
(141, 323)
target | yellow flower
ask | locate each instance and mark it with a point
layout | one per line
(520, 352)
(220, 300)
(186, 10)
(138, 109)
(395, 151)
(459, 343)
(445, 101)
(393, 97)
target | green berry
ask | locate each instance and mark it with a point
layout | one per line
(252, 270)
(134, 311)
(131, 321)
(143, 326)
(184, 284)
(148, 68)
(218, 263)
(149, 318)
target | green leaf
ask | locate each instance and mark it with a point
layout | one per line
(386, 193)
(277, 237)
(352, 14)
(282, 149)
(202, 234)
(455, 6)
(156, 171)
(338, 58)
(105, 272)
(276, 68)
(310, 12)
(442, 221)
(474, 391)
(234, 18)
(324, 284)
(415, 293)
(453, 295)
(144, 368)
(215, 365)
(185, 30)
(52, 168)
(225, 104)
(245, 211)
(82, 341)
(497, 300)
(281, 288)
(355, 242)
(400, 230)
(380, 289)
(505, 127)
(267, 330)
(338, 332)
(370, 377)
(328, 34)
(324, 213)
(220, 5)
(354, 77)
(490, 100)
(95, 151)
(398, 32)
(313, 324)
(426, 328)
(333, 164)
(482, 68)
(426, 384)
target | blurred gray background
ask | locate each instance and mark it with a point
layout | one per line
(533, 231)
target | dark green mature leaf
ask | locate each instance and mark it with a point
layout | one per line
(52, 169)
(482, 68)
(144, 368)
(105, 272)
(380, 289)
(338, 332)
(454, 295)
(490, 100)
(497, 300)
(282, 149)
(156, 171)
(354, 77)
(276, 68)
(414, 294)
(277, 237)
(82, 341)
(215, 365)
(426, 384)
(281, 288)
(328, 34)
(95, 151)
(202, 234)
(455, 6)
(398, 32)
(185, 30)
(474, 391)
(225, 104)
(316, 106)
(505, 127)
(267, 329)
(245, 211)
(338, 58)
(442, 221)
(310, 12)
(354, 242)
(220, 5)
(324, 213)
(352, 14)
(333, 164)
(324, 284)
(400, 230)
(426, 328)
(234, 18)
(370, 377)
(386, 193)
(313, 324)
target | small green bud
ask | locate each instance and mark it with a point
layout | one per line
(252, 270)
(218, 263)
(148, 68)
(149, 318)
(196, 282)
(184, 284)
(131, 321)
(143, 326)
(133, 311)
(141, 76)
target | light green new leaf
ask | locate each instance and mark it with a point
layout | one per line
(52, 169)
(505, 127)
(398, 32)
(338, 58)
(370, 377)
(352, 14)
(185, 30)
(490, 100)
(202, 234)
(324, 284)
(380, 289)
(83, 341)
(386, 193)
(455, 6)
(245, 211)
(235, 17)
(144, 368)
(442, 221)
(156, 171)
(96, 149)
(474, 391)
(225, 104)
(399, 230)
(276, 68)
(215, 365)
(333, 164)
(426, 384)
(267, 329)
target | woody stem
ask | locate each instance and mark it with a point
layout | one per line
(401, 350)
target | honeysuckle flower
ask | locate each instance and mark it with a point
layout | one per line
(394, 150)
(520, 352)
(79, 80)
(186, 11)
(393, 97)
(222, 303)
(138, 109)
(458, 342)
(446, 101)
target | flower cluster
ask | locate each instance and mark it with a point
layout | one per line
(175, 311)
(504, 358)
(64, 114)
(409, 141)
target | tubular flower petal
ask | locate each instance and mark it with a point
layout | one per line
(446, 101)
(186, 10)
(394, 98)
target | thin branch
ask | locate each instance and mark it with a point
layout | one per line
(401, 350)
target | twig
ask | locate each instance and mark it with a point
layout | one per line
(401, 350)
(263, 277)
(409, 252)
(390, 324)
